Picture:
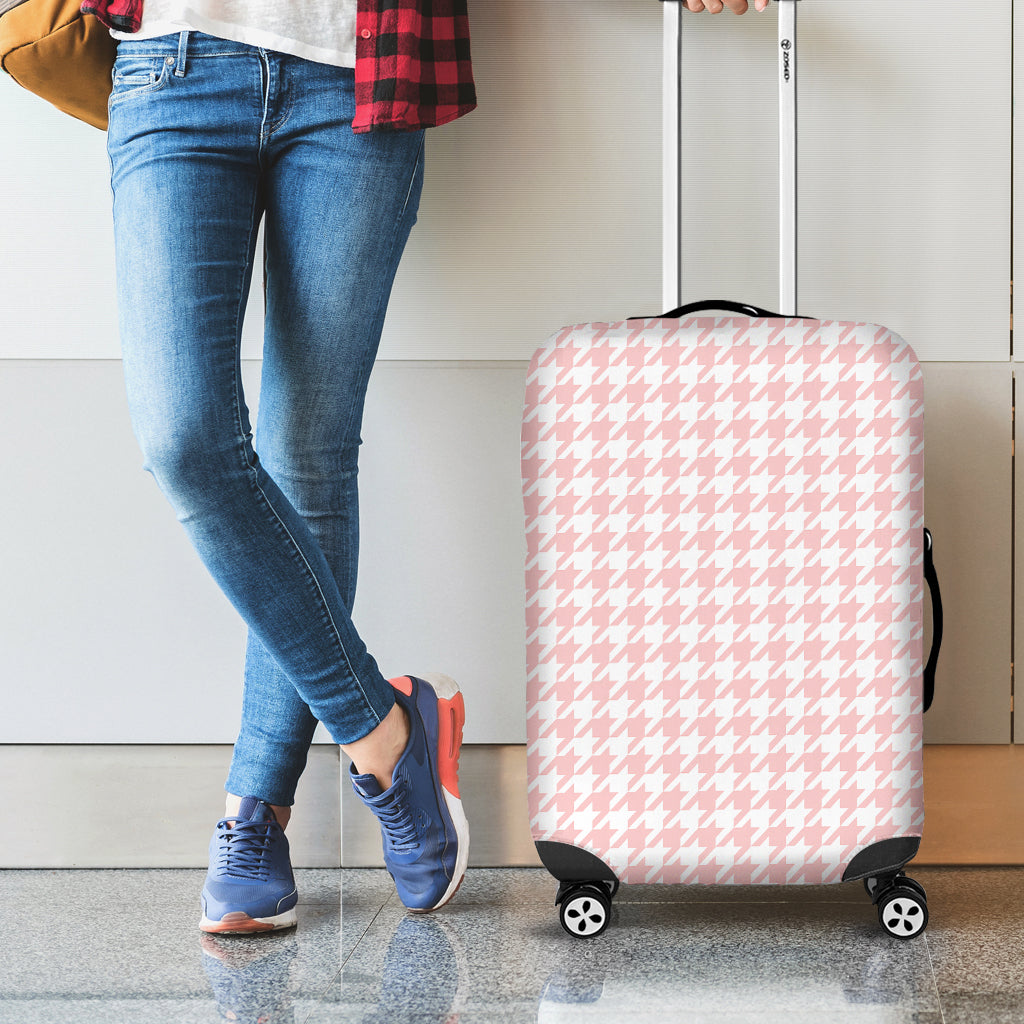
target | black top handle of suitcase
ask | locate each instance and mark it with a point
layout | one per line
(724, 304)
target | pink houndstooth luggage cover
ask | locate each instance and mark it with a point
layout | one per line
(724, 595)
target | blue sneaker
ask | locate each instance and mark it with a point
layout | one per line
(424, 828)
(250, 886)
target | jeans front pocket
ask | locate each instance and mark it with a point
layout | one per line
(135, 74)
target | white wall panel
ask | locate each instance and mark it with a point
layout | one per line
(969, 509)
(111, 630)
(443, 545)
(904, 167)
(543, 206)
(57, 263)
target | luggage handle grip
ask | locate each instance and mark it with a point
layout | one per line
(932, 579)
(672, 102)
(727, 304)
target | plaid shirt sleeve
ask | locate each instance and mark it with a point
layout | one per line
(123, 15)
(413, 68)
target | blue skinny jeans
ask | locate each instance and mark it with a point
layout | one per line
(206, 137)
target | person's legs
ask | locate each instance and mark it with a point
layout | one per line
(190, 184)
(339, 209)
(193, 150)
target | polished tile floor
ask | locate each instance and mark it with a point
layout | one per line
(122, 946)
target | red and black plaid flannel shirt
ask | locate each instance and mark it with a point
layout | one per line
(412, 59)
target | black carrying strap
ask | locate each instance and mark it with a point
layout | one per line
(932, 579)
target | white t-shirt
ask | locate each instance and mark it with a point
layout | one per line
(320, 30)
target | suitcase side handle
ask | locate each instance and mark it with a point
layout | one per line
(932, 579)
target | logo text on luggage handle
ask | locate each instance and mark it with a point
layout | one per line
(786, 47)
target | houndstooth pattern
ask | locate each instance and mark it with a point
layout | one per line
(724, 595)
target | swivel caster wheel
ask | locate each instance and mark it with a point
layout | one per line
(585, 911)
(915, 885)
(903, 911)
(871, 885)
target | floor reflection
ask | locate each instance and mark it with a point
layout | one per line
(251, 976)
(498, 954)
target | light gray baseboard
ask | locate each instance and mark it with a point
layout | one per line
(154, 806)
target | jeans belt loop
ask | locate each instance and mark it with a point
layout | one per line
(179, 69)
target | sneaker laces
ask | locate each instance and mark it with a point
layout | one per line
(244, 848)
(397, 822)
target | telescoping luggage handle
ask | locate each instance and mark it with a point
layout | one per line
(671, 142)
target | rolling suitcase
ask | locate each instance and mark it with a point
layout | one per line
(726, 561)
